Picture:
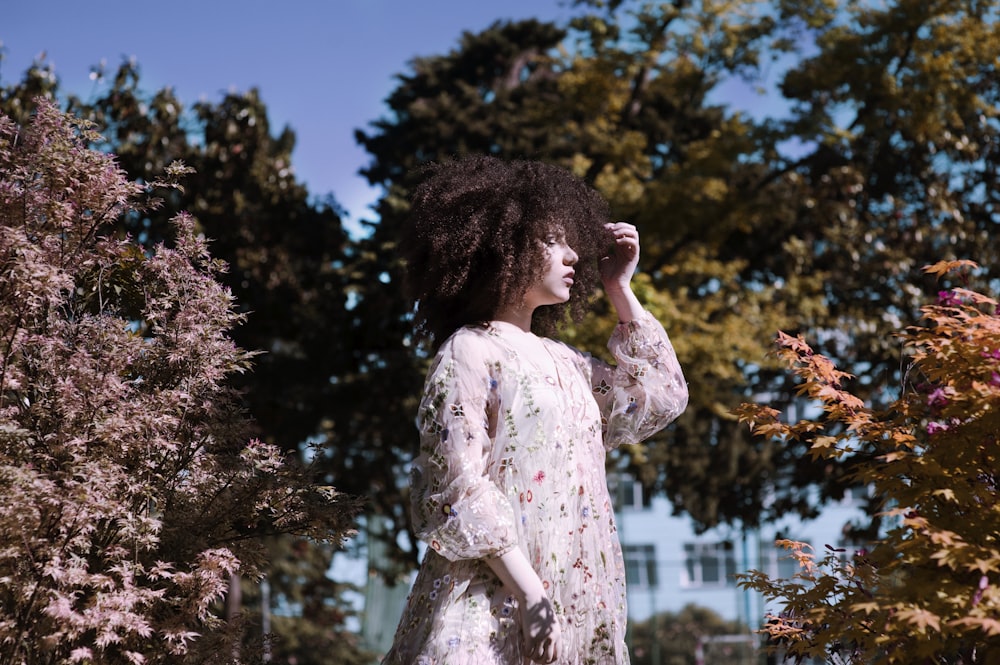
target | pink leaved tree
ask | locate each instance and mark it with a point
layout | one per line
(130, 490)
(928, 589)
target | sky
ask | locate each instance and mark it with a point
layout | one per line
(323, 67)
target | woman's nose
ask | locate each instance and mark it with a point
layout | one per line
(570, 257)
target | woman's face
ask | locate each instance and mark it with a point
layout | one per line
(554, 285)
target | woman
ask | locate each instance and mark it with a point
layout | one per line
(509, 489)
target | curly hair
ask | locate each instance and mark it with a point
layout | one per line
(472, 242)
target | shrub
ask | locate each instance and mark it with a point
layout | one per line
(927, 590)
(130, 491)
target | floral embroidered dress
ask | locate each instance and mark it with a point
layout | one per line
(513, 434)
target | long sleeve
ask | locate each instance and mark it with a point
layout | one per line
(645, 391)
(457, 509)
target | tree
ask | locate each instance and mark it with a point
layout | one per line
(673, 639)
(284, 252)
(635, 121)
(131, 487)
(926, 590)
(742, 235)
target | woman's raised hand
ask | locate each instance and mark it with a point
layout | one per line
(619, 265)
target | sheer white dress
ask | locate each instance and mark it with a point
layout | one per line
(514, 430)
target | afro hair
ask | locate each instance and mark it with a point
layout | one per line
(472, 244)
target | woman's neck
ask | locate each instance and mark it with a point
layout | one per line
(517, 316)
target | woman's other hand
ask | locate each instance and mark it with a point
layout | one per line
(540, 626)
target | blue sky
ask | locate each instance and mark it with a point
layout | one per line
(323, 67)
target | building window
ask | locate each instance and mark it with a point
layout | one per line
(640, 566)
(777, 561)
(710, 564)
(628, 492)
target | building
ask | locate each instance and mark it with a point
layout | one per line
(669, 566)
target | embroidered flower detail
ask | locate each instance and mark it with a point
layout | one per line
(448, 510)
(437, 583)
(586, 511)
(602, 388)
(632, 405)
(529, 496)
(454, 641)
(456, 410)
(433, 595)
(539, 477)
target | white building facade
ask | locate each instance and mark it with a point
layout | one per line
(669, 566)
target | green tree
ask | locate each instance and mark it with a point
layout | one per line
(635, 120)
(17, 102)
(743, 234)
(925, 591)
(674, 638)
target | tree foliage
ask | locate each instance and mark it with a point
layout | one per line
(812, 222)
(673, 638)
(927, 590)
(131, 488)
(284, 253)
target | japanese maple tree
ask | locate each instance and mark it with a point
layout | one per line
(131, 491)
(928, 589)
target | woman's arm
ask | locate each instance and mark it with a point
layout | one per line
(457, 508)
(617, 269)
(645, 390)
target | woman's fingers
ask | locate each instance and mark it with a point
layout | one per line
(542, 632)
(617, 268)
